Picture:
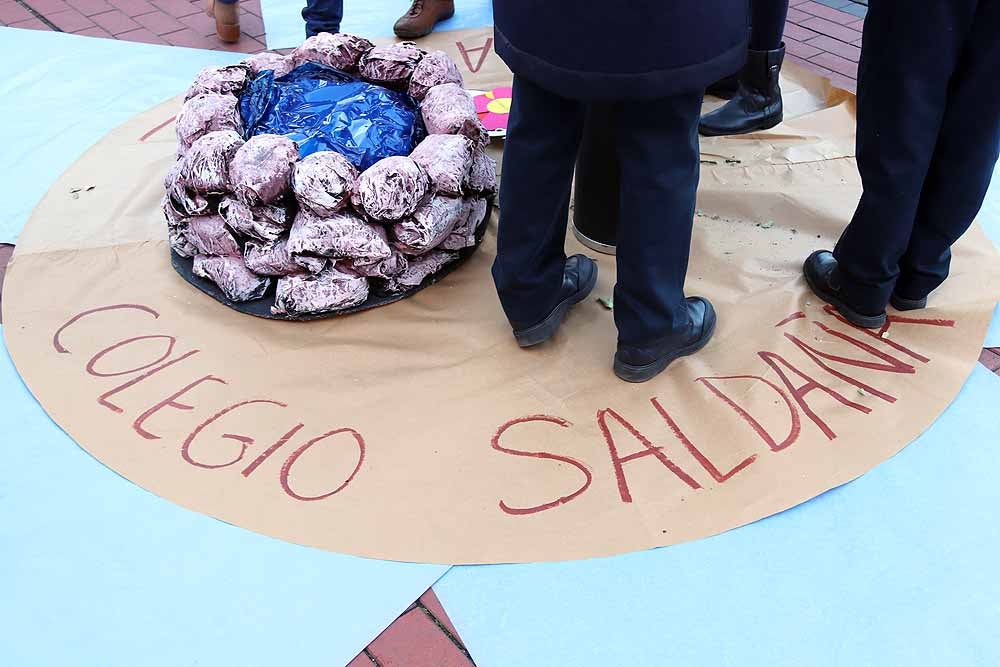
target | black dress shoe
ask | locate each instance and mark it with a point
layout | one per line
(902, 303)
(756, 105)
(821, 273)
(639, 364)
(579, 278)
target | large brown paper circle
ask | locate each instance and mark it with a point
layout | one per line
(420, 432)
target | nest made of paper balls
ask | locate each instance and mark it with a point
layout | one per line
(312, 233)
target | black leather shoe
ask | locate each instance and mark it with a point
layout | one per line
(756, 105)
(726, 88)
(579, 278)
(640, 364)
(821, 273)
(901, 303)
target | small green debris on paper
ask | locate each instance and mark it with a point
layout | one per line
(767, 225)
(607, 301)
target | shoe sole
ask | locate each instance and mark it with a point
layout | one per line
(404, 34)
(708, 132)
(544, 330)
(855, 318)
(646, 372)
(899, 303)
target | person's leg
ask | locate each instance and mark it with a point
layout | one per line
(543, 136)
(658, 151)
(907, 62)
(757, 104)
(964, 158)
(323, 16)
(767, 24)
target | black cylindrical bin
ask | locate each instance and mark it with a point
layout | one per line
(595, 203)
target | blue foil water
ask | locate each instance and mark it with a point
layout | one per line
(323, 109)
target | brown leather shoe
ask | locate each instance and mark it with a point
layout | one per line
(422, 17)
(227, 20)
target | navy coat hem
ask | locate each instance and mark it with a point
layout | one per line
(588, 85)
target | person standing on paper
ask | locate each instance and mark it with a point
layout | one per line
(927, 142)
(323, 16)
(651, 62)
(753, 93)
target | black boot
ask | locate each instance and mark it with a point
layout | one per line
(579, 278)
(640, 364)
(726, 88)
(757, 104)
(824, 279)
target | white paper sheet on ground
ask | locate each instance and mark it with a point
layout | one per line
(368, 18)
(96, 571)
(896, 568)
(60, 93)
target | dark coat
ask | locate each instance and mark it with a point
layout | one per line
(621, 49)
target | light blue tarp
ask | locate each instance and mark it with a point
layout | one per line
(896, 568)
(96, 571)
(61, 93)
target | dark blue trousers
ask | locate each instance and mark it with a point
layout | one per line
(323, 16)
(928, 138)
(658, 150)
(767, 24)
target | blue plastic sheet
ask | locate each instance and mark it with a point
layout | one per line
(323, 109)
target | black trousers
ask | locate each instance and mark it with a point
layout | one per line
(928, 138)
(767, 21)
(658, 150)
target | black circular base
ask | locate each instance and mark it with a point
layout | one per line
(262, 307)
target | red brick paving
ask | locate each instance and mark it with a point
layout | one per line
(133, 7)
(431, 603)
(362, 660)
(991, 359)
(818, 37)
(91, 7)
(177, 22)
(70, 20)
(143, 35)
(416, 640)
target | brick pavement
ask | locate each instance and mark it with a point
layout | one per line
(176, 22)
(822, 35)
